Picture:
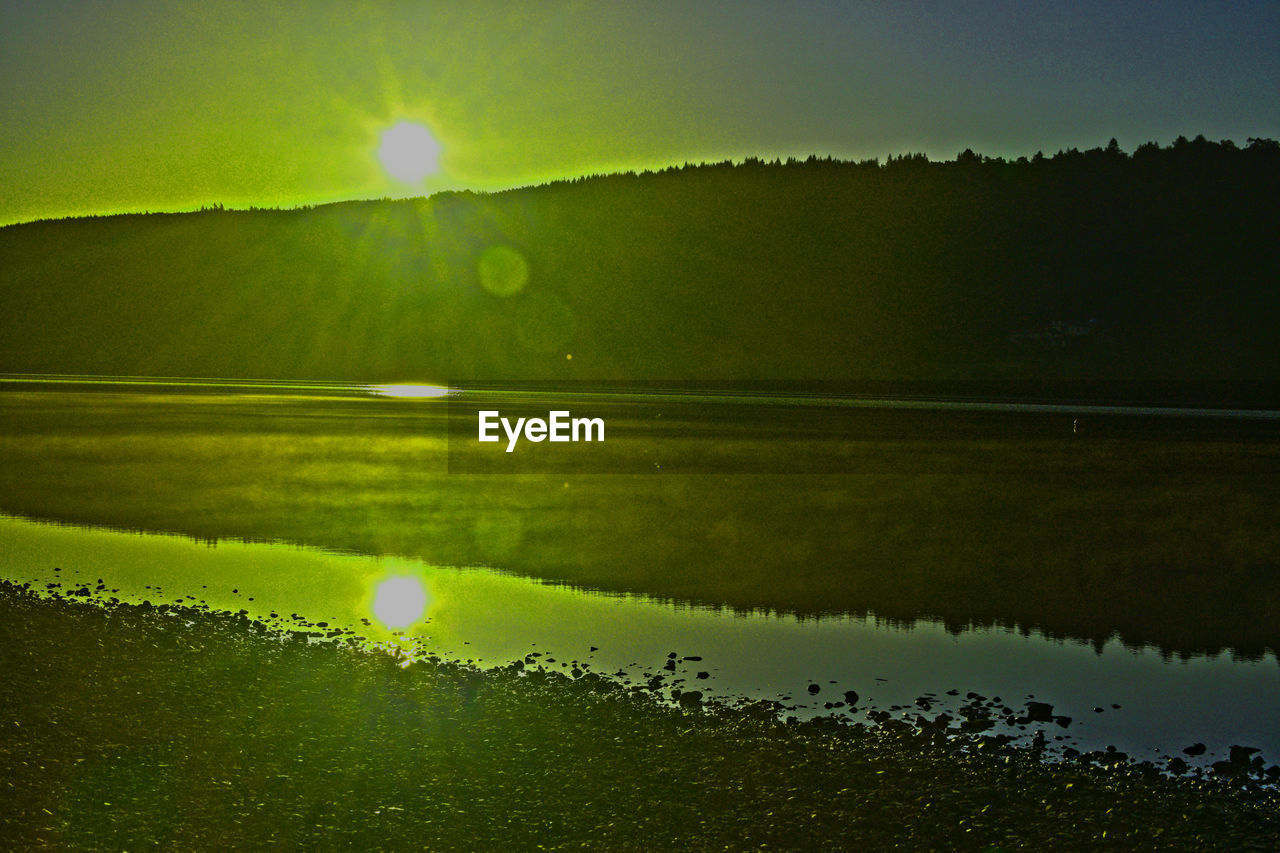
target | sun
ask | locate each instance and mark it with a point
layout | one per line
(408, 152)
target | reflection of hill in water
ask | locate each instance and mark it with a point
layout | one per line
(1168, 543)
(805, 270)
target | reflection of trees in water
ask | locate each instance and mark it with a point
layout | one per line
(1171, 543)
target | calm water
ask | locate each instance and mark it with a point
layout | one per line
(493, 618)
(1158, 525)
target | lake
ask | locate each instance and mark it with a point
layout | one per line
(928, 555)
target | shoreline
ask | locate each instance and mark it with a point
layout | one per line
(930, 675)
(205, 729)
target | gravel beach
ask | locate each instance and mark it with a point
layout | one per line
(137, 727)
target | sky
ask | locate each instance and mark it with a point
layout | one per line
(169, 104)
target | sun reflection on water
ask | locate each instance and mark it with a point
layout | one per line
(399, 601)
(410, 390)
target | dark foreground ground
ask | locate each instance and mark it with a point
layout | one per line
(163, 728)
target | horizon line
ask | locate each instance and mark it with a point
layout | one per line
(777, 160)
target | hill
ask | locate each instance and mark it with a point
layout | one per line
(1162, 264)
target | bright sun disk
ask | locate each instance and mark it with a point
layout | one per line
(408, 152)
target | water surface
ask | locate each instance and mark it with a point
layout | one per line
(493, 619)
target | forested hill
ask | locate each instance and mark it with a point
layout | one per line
(1163, 263)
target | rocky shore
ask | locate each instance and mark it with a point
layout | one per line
(130, 727)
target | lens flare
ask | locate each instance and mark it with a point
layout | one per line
(503, 270)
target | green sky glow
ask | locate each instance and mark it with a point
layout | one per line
(165, 105)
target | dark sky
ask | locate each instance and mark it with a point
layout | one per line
(112, 106)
